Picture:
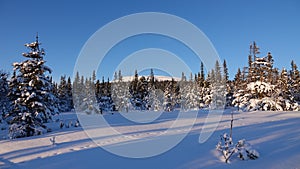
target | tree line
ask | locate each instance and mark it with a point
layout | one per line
(30, 98)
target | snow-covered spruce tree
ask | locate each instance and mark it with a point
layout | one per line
(89, 103)
(32, 100)
(98, 90)
(69, 93)
(138, 90)
(171, 96)
(204, 95)
(218, 88)
(183, 77)
(142, 97)
(255, 92)
(64, 93)
(284, 93)
(120, 77)
(263, 89)
(258, 96)
(133, 90)
(168, 99)
(82, 92)
(155, 99)
(295, 81)
(239, 90)
(229, 85)
(189, 92)
(104, 91)
(78, 91)
(203, 88)
(201, 77)
(4, 101)
(206, 92)
(121, 96)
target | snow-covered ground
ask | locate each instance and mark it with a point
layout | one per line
(275, 135)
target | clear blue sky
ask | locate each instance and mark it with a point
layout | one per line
(64, 27)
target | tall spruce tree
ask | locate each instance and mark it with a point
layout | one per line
(64, 93)
(189, 95)
(4, 101)
(120, 77)
(183, 77)
(225, 70)
(69, 93)
(250, 69)
(120, 96)
(33, 102)
(218, 88)
(77, 89)
(202, 75)
(295, 81)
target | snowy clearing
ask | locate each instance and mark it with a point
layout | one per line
(275, 135)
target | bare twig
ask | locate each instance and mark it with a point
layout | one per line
(231, 124)
(228, 157)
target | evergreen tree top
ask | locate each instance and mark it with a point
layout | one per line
(35, 51)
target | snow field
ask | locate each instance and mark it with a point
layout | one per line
(275, 135)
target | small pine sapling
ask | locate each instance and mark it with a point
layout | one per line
(61, 125)
(241, 149)
(225, 146)
(77, 124)
(52, 140)
(245, 151)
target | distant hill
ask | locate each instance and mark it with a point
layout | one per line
(157, 77)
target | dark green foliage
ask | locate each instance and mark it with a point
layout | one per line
(30, 92)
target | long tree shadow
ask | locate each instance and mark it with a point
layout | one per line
(271, 139)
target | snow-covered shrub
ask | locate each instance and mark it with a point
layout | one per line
(41, 130)
(262, 96)
(89, 106)
(242, 149)
(245, 151)
(16, 131)
(25, 130)
(77, 124)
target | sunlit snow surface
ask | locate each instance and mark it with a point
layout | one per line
(275, 135)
